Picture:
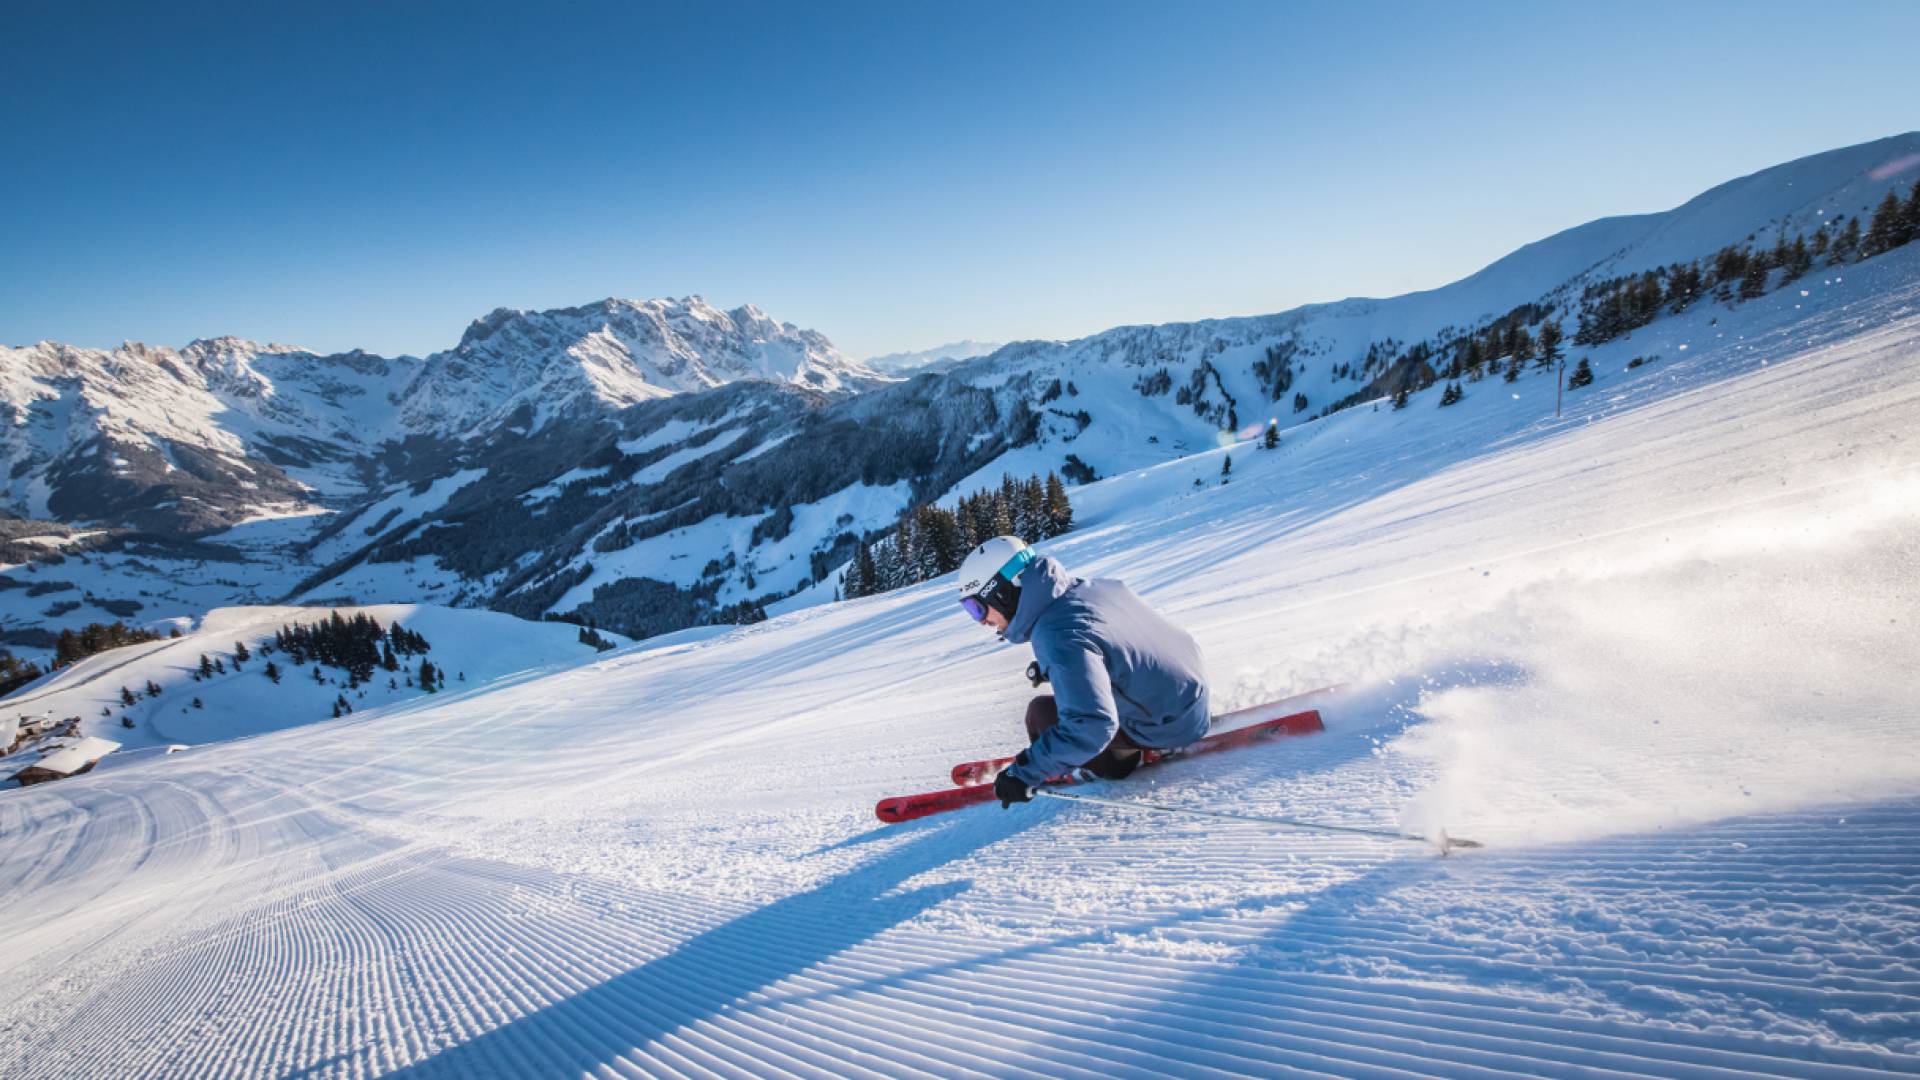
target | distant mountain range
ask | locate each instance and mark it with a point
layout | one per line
(222, 429)
(938, 358)
(654, 464)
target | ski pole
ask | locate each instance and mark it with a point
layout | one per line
(1442, 840)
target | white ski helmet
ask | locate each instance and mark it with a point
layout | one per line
(990, 576)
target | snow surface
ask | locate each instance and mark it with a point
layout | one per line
(1656, 654)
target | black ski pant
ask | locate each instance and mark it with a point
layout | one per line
(1117, 760)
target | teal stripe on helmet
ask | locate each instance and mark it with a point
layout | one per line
(1011, 571)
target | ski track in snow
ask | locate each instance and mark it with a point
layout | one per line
(351, 955)
(1656, 655)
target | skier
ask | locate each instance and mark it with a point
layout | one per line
(1124, 679)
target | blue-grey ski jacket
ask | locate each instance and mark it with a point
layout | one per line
(1115, 665)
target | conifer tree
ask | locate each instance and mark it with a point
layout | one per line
(1799, 260)
(1754, 284)
(1033, 496)
(866, 574)
(1847, 244)
(1451, 394)
(942, 549)
(15, 673)
(1523, 345)
(886, 562)
(126, 696)
(1684, 287)
(241, 652)
(1059, 508)
(1889, 223)
(1002, 524)
(1271, 441)
(1582, 375)
(427, 674)
(1549, 344)
(206, 667)
(1729, 266)
(1226, 469)
(272, 671)
(1400, 398)
(93, 638)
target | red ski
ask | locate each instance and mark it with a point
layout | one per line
(1231, 730)
(909, 807)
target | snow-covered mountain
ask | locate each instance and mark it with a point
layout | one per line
(938, 358)
(1656, 654)
(225, 429)
(658, 504)
(180, 439)
(530, 368)
(1238, 374)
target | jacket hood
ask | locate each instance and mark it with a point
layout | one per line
(1041, 584)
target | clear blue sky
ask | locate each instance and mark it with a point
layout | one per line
(893, 174)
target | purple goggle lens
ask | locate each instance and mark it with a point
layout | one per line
(974, 608)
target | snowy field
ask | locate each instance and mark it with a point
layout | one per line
(1658, 655)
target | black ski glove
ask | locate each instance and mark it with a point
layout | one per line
(1010, 789)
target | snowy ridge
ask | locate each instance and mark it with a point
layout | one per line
(273, 427)
(1700, 816)
(232, 424)
(1216, 359)
(609, 355)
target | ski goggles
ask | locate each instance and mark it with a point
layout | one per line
(997, 588)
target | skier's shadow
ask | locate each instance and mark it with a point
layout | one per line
(726, 967)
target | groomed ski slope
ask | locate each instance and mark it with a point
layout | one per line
(1658, 655)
